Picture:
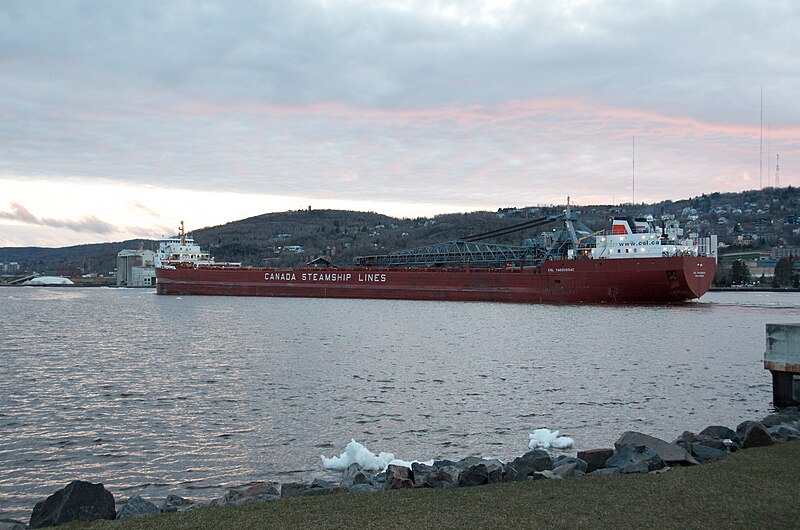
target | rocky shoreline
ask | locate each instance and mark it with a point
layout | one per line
(632, 453)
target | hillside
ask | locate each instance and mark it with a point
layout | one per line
(99, 258)
(335, 234)
(751, 221)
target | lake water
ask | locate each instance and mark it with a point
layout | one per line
(190, 395)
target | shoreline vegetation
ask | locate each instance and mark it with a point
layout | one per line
(752, 488)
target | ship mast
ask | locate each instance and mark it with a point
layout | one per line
(183, 235)
(570, 227)
(633, 171)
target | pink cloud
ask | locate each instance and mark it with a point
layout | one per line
(87, 223)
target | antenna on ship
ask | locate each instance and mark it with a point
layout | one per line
(633, 172)
(183, 235)
(761, 144)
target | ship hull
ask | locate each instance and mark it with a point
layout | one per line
(614, 281)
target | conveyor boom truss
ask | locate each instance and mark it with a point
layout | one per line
(458, 254)
(470, 252)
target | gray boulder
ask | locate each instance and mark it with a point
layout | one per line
(783, 432)
(253, 498)
(322, 487)
(354, 475)
(380, 480)
(255, 489)
(301, 489)
(446, 476)
(754, 435)
(785, 415)
(718, 432)
(365, 488)
(294, 489)
(671, 454)
(568, 470)
(595, 458)
(704, 453)
(631, 458)
(772, 420)
(423, 474)
(475, 475)
(510, 474)
(398, 477)
(176, 503)
(529, 463)
(495, 470)
(137, 507)
(253, 492)
(564, 460)
(685, 439)
(742, 428)
(322, 483)
(688, 439)
(78, 501)
(469, 461)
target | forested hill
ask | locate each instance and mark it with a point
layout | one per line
(338, 235)
(96, 257)
(755, 220)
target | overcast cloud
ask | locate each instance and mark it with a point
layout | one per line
(474, 104)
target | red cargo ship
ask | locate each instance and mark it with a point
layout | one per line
(637, 262)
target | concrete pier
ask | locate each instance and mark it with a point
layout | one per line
(782, 359)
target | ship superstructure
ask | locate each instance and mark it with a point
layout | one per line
(632, 238)
(180, 250)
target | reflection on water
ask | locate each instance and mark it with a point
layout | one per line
(155, 395)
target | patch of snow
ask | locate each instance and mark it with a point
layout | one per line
(357, 453)
(545, 439)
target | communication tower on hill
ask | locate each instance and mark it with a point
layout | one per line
(777, 170)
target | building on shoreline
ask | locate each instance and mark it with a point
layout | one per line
(136, 268)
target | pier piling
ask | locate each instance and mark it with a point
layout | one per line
(782, 359)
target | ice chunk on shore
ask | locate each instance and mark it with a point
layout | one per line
(545, 438)
(357, 453)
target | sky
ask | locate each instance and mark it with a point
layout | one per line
(121, 119)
